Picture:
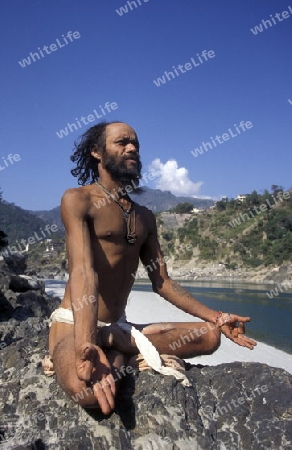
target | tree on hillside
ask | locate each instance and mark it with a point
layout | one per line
(221, 205)
(253, 199)
(286, 222)
(276, 189)
(183, 208)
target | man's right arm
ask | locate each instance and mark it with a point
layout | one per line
(83, 279)
(91, 362)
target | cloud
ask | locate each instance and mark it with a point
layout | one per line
(170, 177)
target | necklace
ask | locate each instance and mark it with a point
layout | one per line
(131, 236)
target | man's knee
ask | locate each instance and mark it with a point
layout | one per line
(64, 363)
(214, 339)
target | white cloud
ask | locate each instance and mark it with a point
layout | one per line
(170, 177)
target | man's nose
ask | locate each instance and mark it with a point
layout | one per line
(131, 148)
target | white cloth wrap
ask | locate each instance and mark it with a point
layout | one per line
(145, 347)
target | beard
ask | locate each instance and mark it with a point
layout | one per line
(119, 171)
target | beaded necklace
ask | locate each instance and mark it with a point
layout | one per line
(131, 236)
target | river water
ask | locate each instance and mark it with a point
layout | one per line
(271, 319)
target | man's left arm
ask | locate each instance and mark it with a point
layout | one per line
(154, 261)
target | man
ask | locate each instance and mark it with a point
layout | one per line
(107, 233)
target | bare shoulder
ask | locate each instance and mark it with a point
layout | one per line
(74, 196)
(75, 202)
(147, 215)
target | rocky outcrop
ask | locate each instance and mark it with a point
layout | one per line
(23, 283)
(244, 406)
(200, 271)
(16, 263)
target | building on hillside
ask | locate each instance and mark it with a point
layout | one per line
(53, 248)
(197, 211)
(240, 198)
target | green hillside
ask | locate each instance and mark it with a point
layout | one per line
(257, 231)
(19, 224)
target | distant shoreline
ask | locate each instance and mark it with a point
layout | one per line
(224, 283)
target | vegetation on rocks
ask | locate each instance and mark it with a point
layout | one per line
(252, 232)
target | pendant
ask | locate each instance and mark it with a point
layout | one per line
(131, 238)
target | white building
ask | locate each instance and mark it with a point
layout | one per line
(241, 198)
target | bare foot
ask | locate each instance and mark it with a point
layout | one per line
(48, 366)
(138, 362)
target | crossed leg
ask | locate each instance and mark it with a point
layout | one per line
(182, 339)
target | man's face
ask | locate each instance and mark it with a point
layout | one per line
(121, 157)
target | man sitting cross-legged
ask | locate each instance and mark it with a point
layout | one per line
(106, 234)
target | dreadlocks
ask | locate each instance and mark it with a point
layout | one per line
(87, 166)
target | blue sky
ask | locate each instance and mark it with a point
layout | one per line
(116, 59)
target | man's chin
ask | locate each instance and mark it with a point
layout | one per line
(133, 182)
(127, 174)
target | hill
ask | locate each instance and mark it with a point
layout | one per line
(18, 223)
(251, 233)
(158, 200)
(50, 216)
(21, 228)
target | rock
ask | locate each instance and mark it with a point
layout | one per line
(16, 263)
(23, 283)
(6, 309)
(153, 411)
(238, 406)
(31, 304)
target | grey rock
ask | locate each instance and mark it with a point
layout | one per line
(238, 406)
(6, 309)
(31, 304)
(16, 263)
(153, 412)
(23, 283)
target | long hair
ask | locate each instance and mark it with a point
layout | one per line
(86, 169)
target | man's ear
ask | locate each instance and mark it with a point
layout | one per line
(96, 152)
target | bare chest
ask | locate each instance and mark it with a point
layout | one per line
(112, 224)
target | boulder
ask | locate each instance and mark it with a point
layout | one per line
(24, 283)
(238, 406)
(234, 406)
(31, 304)
(16, 263)
(6, 309)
